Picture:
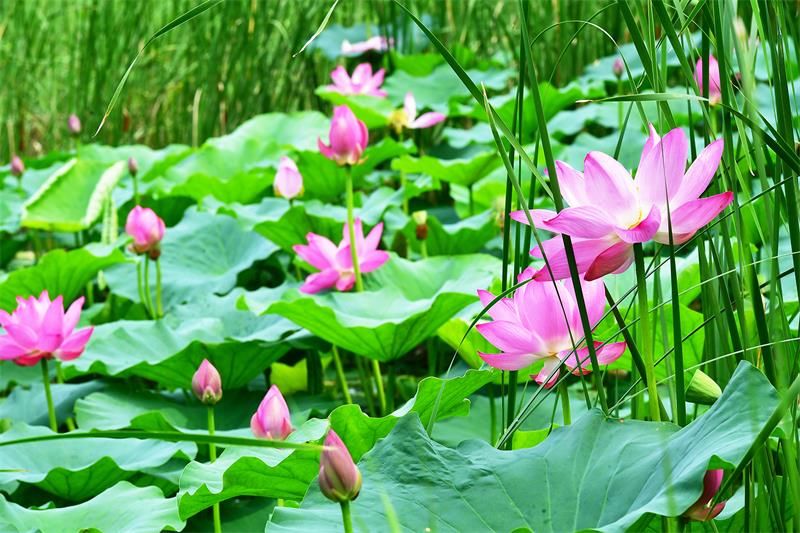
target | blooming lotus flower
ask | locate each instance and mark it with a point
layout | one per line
(339, 477)
(348, 138)
(361, 82)
(532, 327)
(378, 43)
(714, 91)
(609, 211)
(271, 420)
(74, 124)
(40, 329)
(700, 510)
(288, 181)
(618, 67)
(17, 166)
(207, 383)
(335, 262)
(147, 230)
(407, 117)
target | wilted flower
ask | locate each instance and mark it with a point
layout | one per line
(618, 67)
(335, 262)
(531, 326)
(378, 43)
(348, 138)
(207, 383)
(407, 117)
(40, 329)
(361, 82)
(701, 509)
(147, 230)
(714, 91)
(133, 166)
(288, 181)
(17, 166)
(339, 477)
(609, 211)
(272, 420)
(74, 124)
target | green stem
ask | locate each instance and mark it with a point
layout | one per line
(366, 384)
(159, 306)
(423, 249)
(51, 411)
(346, 520)
(511, 410)
(135, 189)
(212, 454)
(492, 416)
(645, 345)
(147, 296)
(60, 380)
(403, 182)
(376, 368)
(566, 413)
(352, 228)
(340, 372)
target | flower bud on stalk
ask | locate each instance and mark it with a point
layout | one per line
(133, 166)
(272, 420)
(207, 384)
(421, 220)
(339, 477)
(74, 125)
(17, 166)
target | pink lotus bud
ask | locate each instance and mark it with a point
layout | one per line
(701, 510)
(618, 67)
(74, 124)
(206, 383)
(339, 477)
(348, 138)
(17, 166)
(147, 230)
(714, 90)
(271, 420)
(133, 166)
(288, 181)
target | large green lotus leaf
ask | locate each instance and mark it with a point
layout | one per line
(372, 110)
(239, 344)
(263, 472)
(573, 481)
(463, 237)
(123, 507)
(464, 172)
(287, 226)
(72, 197)
(244, 187)
(10, 205)
(203, 254)
(79, 469)
(28, 404)
(405, 303)
(59, 272)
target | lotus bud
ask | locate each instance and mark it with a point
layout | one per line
(271, 420)
(348, 137)
(74, 125)
(618, 67)
(133, 166)
(147, 230)
(421, 220)
(701, 510)
(206, 383)
(702, 389)
(17, 166)
(339, 477)
(288, 180)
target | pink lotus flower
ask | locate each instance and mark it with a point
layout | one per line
(272, 420)
(207, 383)
(288, 181)
(407, 117)
(701, 509)
(348, 138)
(609, 211)
(17, 166)
(40, 329)
(339, 477)
(532, 327)
(335, 262)
(147, 230)
(361, 82)
(714, 91)
(378, 43)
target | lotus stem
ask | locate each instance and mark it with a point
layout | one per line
(60, 380)
(645, 344)
(511, 410)
(340, 373)
(212, 454)
(140, 285)
(51, 411)
(346, 520)
(566, 412)
(352, 229)
(376, 368)
(147, 295)
(159, 306)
